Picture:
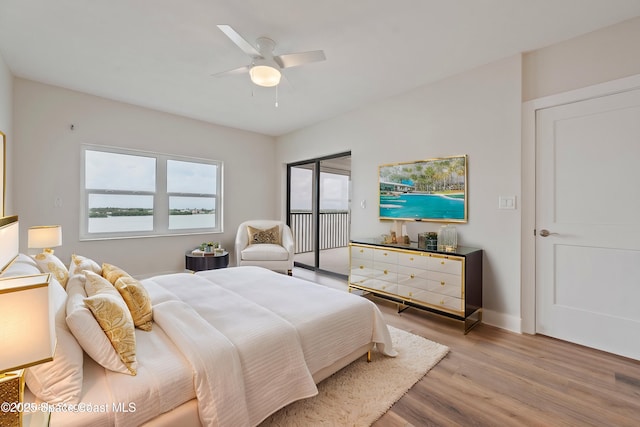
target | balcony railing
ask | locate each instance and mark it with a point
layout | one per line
(334, 230)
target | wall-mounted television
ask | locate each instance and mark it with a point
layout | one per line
(424, 190)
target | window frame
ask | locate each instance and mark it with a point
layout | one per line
(160, 196)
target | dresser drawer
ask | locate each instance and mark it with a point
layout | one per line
(445, 265)
(414, 260)
(410, 276)
(360, 252)
(386, 272)
(445, 288)
(363, 267)
(382, 255)
(411, 293)
(380, 285)
(432, 299)
(443, 302)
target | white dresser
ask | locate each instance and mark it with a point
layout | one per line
(441, 282)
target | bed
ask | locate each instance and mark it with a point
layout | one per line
(225, 347)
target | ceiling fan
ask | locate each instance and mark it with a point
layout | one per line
(265, 68)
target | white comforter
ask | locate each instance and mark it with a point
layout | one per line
(271, 331)
(247, 361)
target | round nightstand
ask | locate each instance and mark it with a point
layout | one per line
(207, 261)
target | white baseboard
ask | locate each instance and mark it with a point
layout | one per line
(501, 320)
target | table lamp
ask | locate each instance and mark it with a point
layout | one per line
(44, 237)
(27, 334)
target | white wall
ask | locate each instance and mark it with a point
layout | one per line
(600, 56)
(475, 113)
(47, 164)
(6, 119)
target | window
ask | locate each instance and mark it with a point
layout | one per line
(130, 194)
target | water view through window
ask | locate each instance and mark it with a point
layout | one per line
(123, 195)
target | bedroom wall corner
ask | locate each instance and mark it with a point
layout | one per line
(6, 126)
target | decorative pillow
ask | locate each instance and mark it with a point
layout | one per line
(137, 299)
(49, 263)
(113, 273)
(81, 263)
(113, 316)
(87, 331)
(270, 235)
(59, 381)
(95, 284)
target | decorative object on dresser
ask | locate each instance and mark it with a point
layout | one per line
(27, 335)
(446, 283)
(447, 238)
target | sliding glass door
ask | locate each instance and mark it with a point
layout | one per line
(318, 206)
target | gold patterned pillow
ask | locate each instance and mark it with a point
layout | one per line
(113, 273)
(113, 316)
(137, 299)
(96, 284)
(81, 263)
(115, 320)
(49, 263)
(270, 235)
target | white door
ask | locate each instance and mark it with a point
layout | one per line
(588, 200)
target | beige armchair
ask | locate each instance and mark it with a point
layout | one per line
(260, 243)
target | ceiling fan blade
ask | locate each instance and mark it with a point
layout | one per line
(235, 71)
(240, 41)
(295, 59)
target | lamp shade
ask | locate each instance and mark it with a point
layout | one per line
(27, 329)
(44, 236)
(265, 75)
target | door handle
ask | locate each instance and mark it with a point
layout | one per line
(545, 233)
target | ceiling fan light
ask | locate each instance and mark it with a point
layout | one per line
(265, 75)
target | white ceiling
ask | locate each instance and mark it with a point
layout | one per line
(161, 54)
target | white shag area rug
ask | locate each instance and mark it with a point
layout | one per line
(362, 392)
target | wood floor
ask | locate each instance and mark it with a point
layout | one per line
(493, 377)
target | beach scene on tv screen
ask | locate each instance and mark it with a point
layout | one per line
(431, 190)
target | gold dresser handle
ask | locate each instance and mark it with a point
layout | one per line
(413, 277)
(385, 254)
(361, 250)
(385, 272)
(442, 283)
(441, 302)
(442, 262)
(362, 267)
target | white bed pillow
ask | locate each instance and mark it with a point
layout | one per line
(23, 265)
(86, 329)
(59, 381)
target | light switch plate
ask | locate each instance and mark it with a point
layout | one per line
(506, 202)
